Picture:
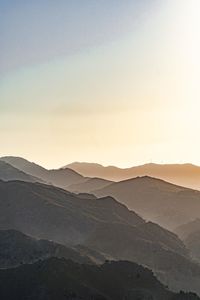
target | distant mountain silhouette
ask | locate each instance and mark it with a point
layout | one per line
(156, 200)
(93, 225)
(187, 175)
(59, 279)
(61, 177)
(8, 172)
(17, 248)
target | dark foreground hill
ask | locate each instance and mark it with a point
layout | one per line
(17, 248)
(94, 225)
(156, 200)
(58, 279)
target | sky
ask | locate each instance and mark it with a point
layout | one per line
(108, 81)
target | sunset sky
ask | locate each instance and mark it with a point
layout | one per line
(108, 81)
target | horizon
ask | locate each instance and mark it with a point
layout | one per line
(109, 81)
(40, 163)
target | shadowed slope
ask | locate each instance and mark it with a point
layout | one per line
(17, 248)
(51, 213)
(190, 234)
(156, 200)
(56, 279)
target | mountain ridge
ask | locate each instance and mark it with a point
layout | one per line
(187, 174)
(48, 212)
(164, 203)
(59, 279)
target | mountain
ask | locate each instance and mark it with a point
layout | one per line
(60, 178)
(89, 185)
(186, 229)
(51, 213)
(156, 200)
(123, 243)
(59, 279)
(190, 234)
(17, 248)
(103, 226)
(8, 172)
(193, 244)
(187, 175)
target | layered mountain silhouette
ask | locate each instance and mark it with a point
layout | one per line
(90, 185)
(190, 234)
(102, 226)
(61, 177)
(187, 175)
(156, 200)
(60, 279)
(186, 229)
(8, 172)
(17, 248)
(51, 213)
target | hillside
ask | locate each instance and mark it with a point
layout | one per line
(17, 248)
(190, 234)
(58, 279)
(47, 212)
(186, 229)
(156, 200)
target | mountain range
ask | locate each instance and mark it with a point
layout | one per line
(50, 216)
(187, 175)
(58, 177)
(156, 200)
(102, 225)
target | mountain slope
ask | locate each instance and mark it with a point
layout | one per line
(187, 175)
(8, 172)
(124, 243)
(17, 248)
(190, 234)
(58, 279)
(156, 200)
(61, 177)
(89, 185)
(47, 212)
(51, 213)
(186, 229)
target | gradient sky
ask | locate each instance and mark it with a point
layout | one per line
(108, 81)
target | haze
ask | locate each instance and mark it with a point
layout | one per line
(116, 82)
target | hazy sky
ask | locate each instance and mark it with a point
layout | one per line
(110, 81)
